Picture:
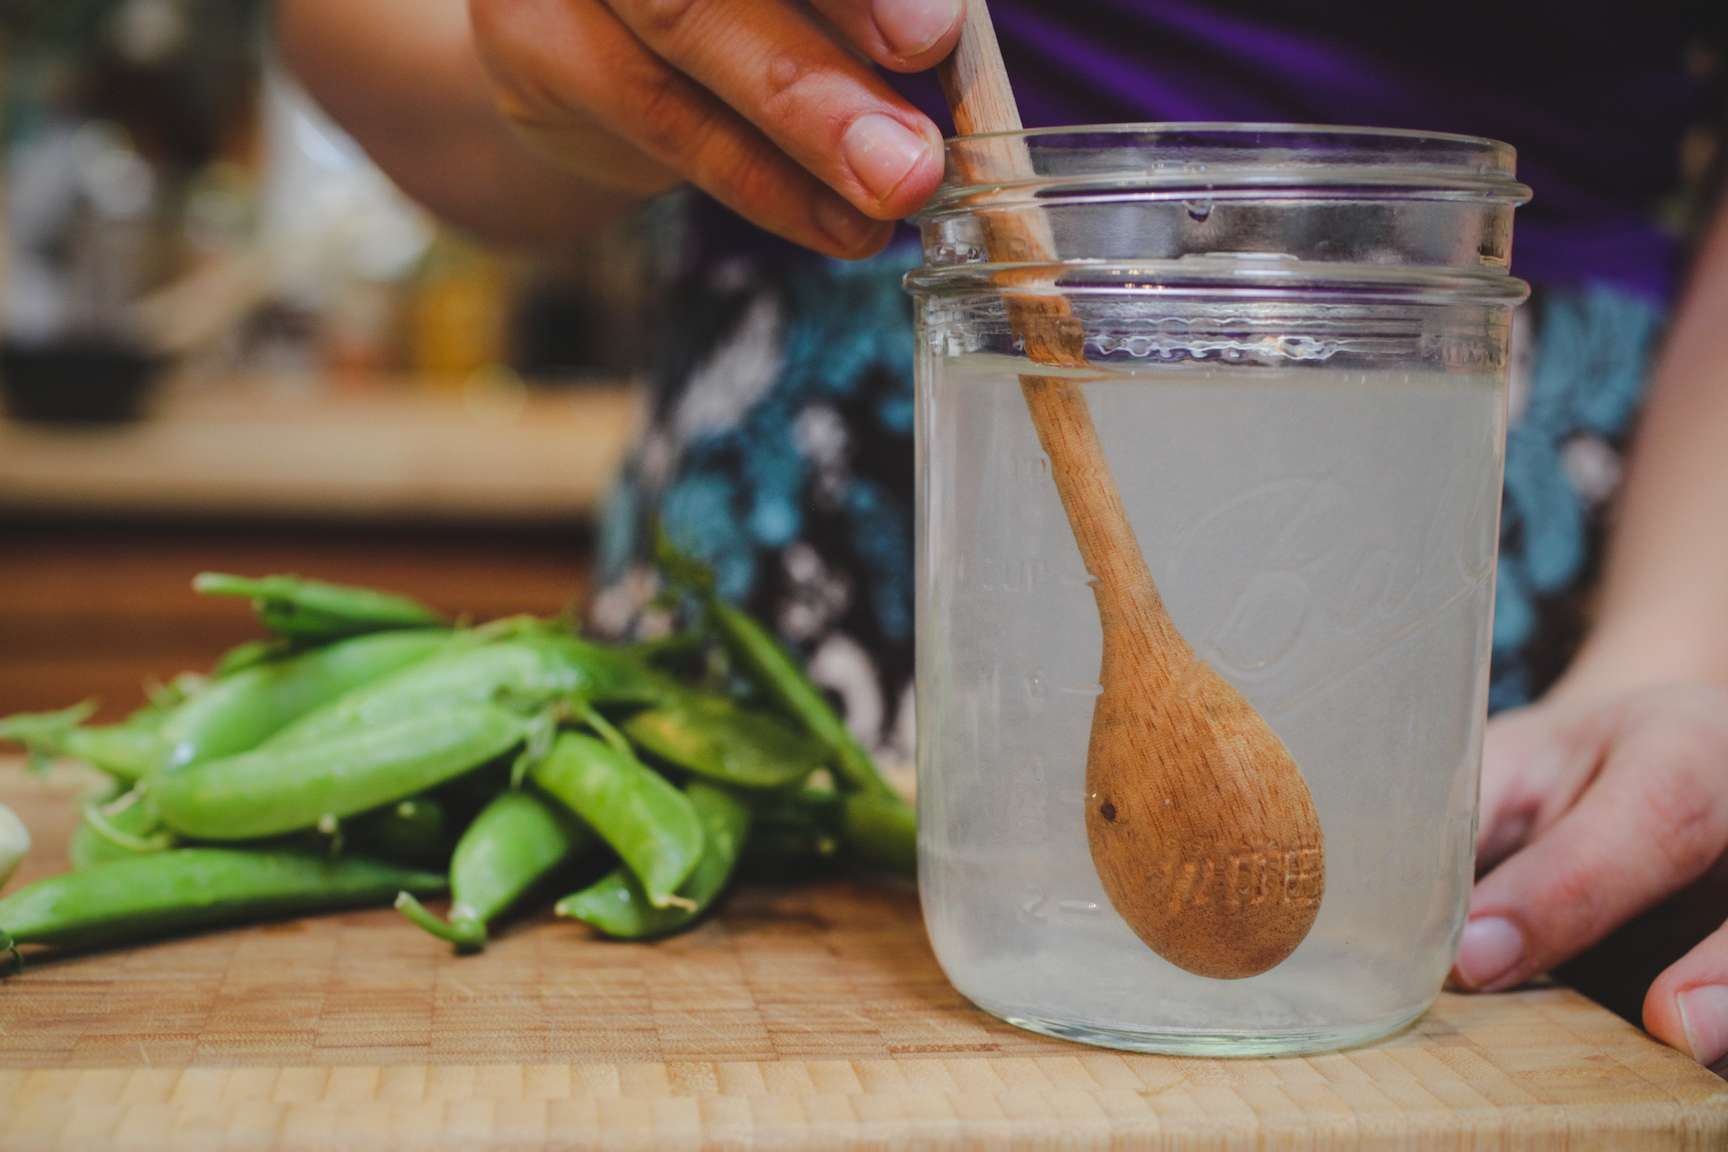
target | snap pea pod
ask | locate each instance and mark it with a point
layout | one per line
(302, 609)
(238, 712)
(789, 831)
(14, 843)
(785, 683)
(125, 751)
(251, 654)
(118, 828)
(771, 669)
(652, 826)
(713, 737)
(270, 791)
(515, 842)
(145, 896)
(415, 831)
(616, 905)
(878, 832)
(528, 672)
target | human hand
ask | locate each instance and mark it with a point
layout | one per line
(1595, 808)
(769, 107)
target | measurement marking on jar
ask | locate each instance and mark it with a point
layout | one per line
(1034, 468)
(1039, 908)
(1039, 688)
(1083, 908)
(1016, 575)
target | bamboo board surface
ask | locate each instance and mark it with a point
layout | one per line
(798, 1018)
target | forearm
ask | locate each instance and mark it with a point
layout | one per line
(402, 77)
(1664, 608)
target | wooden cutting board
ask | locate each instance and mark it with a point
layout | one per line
(798, 1018)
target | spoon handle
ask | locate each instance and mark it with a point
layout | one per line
(975, 81)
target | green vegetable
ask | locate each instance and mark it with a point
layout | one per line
(650, 824)
(146, 896)
(526, 673)
(125, 825)
(877, 832)
(272, 790)
(14, 843)
(616, 904)
(516, 841)
(303, 609)
(881, 832)
(772, 670)
(415, 832)
(778, 676)
(715, 738)
(126, 751)
(341, 757)
(251, 654)
(239, 712)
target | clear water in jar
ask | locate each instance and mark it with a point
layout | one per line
(1324, 538)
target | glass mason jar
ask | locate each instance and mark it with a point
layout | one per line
(1296, 362)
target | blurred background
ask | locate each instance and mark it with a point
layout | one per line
(227, 341)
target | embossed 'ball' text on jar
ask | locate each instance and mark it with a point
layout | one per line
(1296, 347)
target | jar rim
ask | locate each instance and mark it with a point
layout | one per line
(1228, 128)
(1249, 158)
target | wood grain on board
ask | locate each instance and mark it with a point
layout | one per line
(797, 1018)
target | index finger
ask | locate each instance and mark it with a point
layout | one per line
(830, 111)
(1654, 822)
(905, 35)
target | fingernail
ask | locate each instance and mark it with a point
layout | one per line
(911, 26)
(881, 152)
(1491, 948)
(843, 224)
(1704, 1019)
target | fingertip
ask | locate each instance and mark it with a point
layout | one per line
(1662, 1015)
(847, 232)
(1491, 953)
(896, 161)
(917, 34)
(1687, 1005)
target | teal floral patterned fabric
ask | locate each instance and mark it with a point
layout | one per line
(779, 449)
(1584, 358)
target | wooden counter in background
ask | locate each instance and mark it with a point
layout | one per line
(95, 610)
(396, 451)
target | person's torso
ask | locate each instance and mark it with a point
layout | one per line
(781, 443)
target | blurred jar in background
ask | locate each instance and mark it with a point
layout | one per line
(459, 315)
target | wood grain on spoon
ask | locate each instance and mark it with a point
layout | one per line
(1198, 820)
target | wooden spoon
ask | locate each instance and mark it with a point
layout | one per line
(1198, 819)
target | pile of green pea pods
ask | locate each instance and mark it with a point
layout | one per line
(369, 750)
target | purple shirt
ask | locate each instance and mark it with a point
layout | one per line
(1596, 107)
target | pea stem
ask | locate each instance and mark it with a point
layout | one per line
(604, 729)
(465, 933)
(98, 819)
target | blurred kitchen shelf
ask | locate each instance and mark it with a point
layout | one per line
(385, 452)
